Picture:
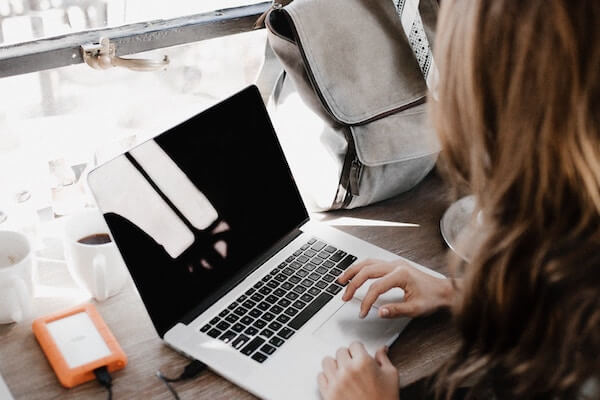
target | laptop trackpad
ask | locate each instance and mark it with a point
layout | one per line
(345, 327)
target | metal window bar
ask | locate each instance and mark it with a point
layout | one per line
(61, 51)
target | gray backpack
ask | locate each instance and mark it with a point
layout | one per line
(349, 108)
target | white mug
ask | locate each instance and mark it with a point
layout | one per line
(98, 268)
(16, 277)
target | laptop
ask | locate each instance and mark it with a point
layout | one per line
(231, 269)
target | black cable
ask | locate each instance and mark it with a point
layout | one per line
(190, 371)
(103, 377)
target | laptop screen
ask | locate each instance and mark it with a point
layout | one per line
(193, 207)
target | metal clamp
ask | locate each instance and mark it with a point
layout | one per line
(102, 56)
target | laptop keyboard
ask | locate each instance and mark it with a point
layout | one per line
(269, 313)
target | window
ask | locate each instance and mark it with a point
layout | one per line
(59, 117)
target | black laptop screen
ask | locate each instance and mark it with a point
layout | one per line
(193, 207)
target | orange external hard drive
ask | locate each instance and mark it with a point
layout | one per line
(76, 342)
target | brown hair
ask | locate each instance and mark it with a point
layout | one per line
(518, 115)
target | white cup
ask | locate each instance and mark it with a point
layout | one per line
(98, 268)
(16, 277)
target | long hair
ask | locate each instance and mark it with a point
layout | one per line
(518, 116)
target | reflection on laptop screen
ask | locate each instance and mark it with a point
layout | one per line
(192, 207)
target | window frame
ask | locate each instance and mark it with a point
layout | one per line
(65, 50)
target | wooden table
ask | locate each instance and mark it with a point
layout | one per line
(420, 349)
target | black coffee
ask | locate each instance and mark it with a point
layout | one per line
(96, 238)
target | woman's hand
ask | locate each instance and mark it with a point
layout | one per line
(423, 293)
(355, 375)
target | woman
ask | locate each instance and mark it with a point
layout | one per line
(518, 115)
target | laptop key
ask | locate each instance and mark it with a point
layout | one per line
(279, 292)
(271, 299)
(283, 318)
(321, 284)
(309, 267)
(310, 253)
(275, 326)
(285, 333)
(259, 357)
(321, 270)
(232, 318)
(228, 336)
(276, 341)
(223, 313)
(314, 291)
(310, 310)
(205, 328)
(295, 265)
(329, 278)
(268, 316)
(307, 283)
(287, 271)
(259, 323)
(307, 298)
(302, 259)
(255, 313)
(292, 295)
(318, 246)
(240, 311)
(299, 304)
(265, 291)
(284, 302)
(232, 305)
(334, 289)
(272, 284)
(213, 333)
(251, 331)
(240, 341)
(248, 304)
(328, 263)
(258, 284)
(250, 292)
(346, 262)
(214, 321)
(276, 309)
(301, 289)
(314, 276)
(324, 255)
(297, 253)
(264, 306)
(223, 325)
(290, 259)
(304, 247)
(266, 278)
(281, 277)
(268, 349)
(316, 260)
(336, 271)
(291, 311)
(257, 297)
(238, 327)
(294, 279)
(301, 273)
(253, 345)
(246, 320)
(337, 256)
(312, 240)
(286, 286)
(267, 333)
(330, 249)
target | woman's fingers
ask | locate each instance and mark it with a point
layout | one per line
(366, 272)
(382, 358)
(329, 368)
(353, 270)
(395, 310)
(357, 350)
(343, 356)
(322, 382)
(398, 278)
